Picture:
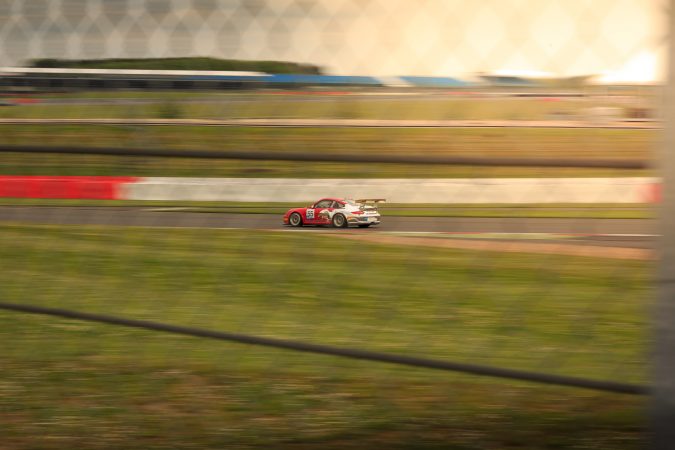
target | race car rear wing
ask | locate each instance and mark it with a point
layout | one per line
(371, 200)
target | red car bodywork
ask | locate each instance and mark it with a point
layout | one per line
(311, 214)
(337, 212)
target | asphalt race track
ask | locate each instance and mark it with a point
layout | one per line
(630, 233)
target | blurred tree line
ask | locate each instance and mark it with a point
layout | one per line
(192, 63)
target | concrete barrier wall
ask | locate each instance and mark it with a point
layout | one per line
(64, 187)
(492, 190)
(504, 190)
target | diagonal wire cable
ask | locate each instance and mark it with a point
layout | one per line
(600, 385)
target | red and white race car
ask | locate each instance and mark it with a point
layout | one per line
(337, 212)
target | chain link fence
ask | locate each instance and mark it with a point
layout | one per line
(152, 295)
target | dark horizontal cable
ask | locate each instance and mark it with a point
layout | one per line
(608, 386)
(333, 157)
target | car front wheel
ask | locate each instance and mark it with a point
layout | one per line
(295, 220)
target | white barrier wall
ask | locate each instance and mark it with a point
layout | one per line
(489, 190)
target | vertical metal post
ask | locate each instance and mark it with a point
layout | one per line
(663, 399)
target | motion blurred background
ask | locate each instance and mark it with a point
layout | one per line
(149, 148)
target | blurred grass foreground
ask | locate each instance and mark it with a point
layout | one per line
(68, 384)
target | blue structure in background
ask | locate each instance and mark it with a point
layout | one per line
(435, 82)
(509, 80)
(322, 80)
(285, 80)
(293, 79)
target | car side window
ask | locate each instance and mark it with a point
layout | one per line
(323, 204)
(338, 205)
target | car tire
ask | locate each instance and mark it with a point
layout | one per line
(339, 221)
(295, 220)
(365, 225)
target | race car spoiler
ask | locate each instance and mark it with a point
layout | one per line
(371, 200)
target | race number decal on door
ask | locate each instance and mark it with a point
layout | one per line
(310, 214)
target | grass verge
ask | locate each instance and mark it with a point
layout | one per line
(70, 384)
(588, 144)
(440, 106)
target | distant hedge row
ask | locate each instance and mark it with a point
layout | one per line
(196, 63)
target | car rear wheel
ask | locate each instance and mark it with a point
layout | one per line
(295, 220)
(339, 221)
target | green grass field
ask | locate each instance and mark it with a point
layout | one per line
(591, 144)
(65, 384)
(442, 106)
